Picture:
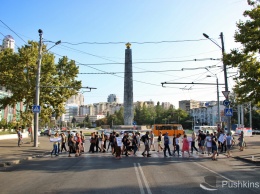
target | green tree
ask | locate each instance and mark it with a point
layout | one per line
(246, 58)
(18, 75)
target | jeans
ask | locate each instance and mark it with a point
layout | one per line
(166, 147)
(177, 149)
(55, 149)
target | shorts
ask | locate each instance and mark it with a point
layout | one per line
(228, 147)
(202, 142)
(214, 148)
(159, 142)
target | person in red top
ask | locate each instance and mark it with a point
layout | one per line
(185, 145)
(78, 144)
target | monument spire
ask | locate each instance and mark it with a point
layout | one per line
(128, 87)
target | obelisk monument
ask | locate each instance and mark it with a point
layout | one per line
(128, 87)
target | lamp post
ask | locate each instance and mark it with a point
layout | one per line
(222, 47)
(37, 93)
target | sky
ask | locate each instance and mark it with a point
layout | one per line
(166, 37)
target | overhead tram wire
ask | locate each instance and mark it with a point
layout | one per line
(148, 71)
(78, 63)
(135, 42)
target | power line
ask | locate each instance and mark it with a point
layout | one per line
(134, 42)
(148, 62)
(13, 31)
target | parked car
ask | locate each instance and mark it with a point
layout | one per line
(46, 132)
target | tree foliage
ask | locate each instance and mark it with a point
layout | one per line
(246, 58)
(18, 75)
(148, 115)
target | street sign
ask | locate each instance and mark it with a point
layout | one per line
(228, 112)
(36, 108)
(225, 93)
(134, 123)
(226, 102)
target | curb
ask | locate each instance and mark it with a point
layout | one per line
(19, 161)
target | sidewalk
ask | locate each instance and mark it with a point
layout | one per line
(251, 153)
(11, 154)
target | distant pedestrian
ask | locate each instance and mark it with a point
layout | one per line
(78, 145)
(228, 143)
(117, 145)
(20, 136)
(185, 145)
(146, 139)
(97, 143)
(241, 141)
(63, 143)
(202, 137)
(209, 143)
(92, 143)
(166, 145)
(177, 144)
(135, 143)
(193, 139)
(56, 139)
(82, 141)
(160, 148)
(152, 141)
(72, 144)
(214, 146)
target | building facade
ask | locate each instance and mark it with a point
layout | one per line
(207, 114)
(187, 105)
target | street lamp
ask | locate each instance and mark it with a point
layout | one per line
(222, 47)
(37, 94)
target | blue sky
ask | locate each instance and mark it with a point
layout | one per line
(115, 21)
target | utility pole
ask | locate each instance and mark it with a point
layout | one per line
(228, 118)
(37, 95)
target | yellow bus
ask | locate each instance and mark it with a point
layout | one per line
(172, 129)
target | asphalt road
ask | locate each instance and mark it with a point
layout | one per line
(102, 173)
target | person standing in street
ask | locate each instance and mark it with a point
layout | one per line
(152, 141)
(185, 145)
(193, 139)
(214, 146)
(63, 142)
(146, 139)
(135, 143)
(20, 136)
(166, 145)
(177, 144)
(160, 148)
(229, 143)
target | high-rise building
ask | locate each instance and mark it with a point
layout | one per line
(112, 98)
(187, 105)
(76, 99)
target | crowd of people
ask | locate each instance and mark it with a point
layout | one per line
(208, 143)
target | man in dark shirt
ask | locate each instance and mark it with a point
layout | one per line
(214, 146)
(202, 138)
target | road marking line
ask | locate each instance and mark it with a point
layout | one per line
(144, 179)
(213, 172)
(139, 180)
